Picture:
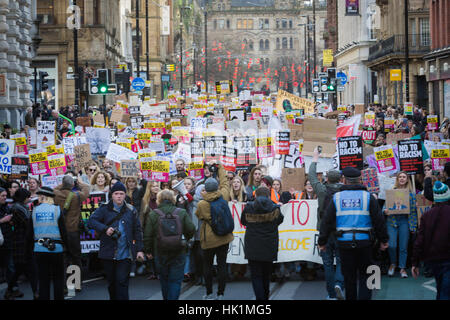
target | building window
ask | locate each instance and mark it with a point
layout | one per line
(96, 12)
(413, 32)
(267, 44)
(45, 11)
(250, 45)
(215, 24)
(221, 24)
(228, 24)
(290, 24)
(261, 44)
(278, 43)
(266, 24)
(291, 43)
(284, 24)
(424, 26)
(244, 24)
(284, 43)
(278, 24)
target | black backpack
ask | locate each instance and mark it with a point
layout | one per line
(327, 201)
(170, 231)
(222, 222)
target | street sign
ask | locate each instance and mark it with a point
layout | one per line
(94, 82)
(342, 76)
(138, 84)
(340, 88)
(316, 86)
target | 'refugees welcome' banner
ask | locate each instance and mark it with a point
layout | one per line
(297, 234)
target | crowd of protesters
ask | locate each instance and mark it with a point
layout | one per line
(20, 200)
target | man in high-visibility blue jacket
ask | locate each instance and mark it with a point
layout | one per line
(356, 218)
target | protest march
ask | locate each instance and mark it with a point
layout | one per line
(254, 141)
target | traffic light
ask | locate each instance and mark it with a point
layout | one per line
(126, 82)
(199, 86)
(332, 85)
(323, 84)
(43, 86)
(102, 81)
(316, 85)
(331, 73)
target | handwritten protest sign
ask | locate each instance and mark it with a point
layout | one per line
(130, 168)
(46, 132)
(82, 155)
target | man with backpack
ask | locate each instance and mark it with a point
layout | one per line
(166, 234)
(325, 192)
(69, 196)
(216, 231)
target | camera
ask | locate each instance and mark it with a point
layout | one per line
(116, 234)
(213, 169)
(49, 244)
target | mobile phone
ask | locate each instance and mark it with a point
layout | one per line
(319, 149)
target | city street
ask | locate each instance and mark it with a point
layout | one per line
(394, 288)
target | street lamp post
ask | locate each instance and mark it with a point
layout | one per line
(406, 52)
(75, 62)
(146, 41)
(138, 42)
(304, 31)
(206, 49)
(314, 36)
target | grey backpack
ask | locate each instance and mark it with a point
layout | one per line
(170, 231)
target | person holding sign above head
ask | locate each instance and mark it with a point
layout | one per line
(399, 225)
(355, 216)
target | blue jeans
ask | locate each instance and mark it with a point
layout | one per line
(441, 271)
(171, 273)
(402, 231)
(118, 276)
(332, 277)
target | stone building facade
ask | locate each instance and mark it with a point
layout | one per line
(101, 42)
(15, 56)
(389, 51)
(260, 35)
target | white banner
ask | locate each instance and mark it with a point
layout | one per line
(297, 234)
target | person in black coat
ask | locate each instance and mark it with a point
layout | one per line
(261, 218)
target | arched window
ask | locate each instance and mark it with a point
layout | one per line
(278, 43)
(261, 44)
(291, 43)
(250, 45)
(267, 44)
(284, 43)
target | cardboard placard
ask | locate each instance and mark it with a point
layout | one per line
(392, 138)
(130, 168)
(84, 121)
(293, 178)
(116, 115)
(422, 205)
(397, 201)
(319, 132)
(82, 155)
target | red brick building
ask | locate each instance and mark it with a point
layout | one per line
(437, 62)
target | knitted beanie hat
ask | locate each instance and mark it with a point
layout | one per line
(441, 192)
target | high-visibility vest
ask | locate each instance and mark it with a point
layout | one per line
(353, 215)
(274, 196)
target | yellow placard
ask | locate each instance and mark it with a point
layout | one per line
(195, 165)
(395, 74)
(160, 166)
(146, 165)
(440, 153)
(60, 149)
(38, 157)
(384, 154)
(263, 142)
(51, 149)
(56, 163)
(432, 119)
(146, 154)
(20, 141)
(295, 102)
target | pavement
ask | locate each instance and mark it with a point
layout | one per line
(140, 288)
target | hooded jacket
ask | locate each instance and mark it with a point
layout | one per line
(208, 239)
(72, 216)
(262, 218)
